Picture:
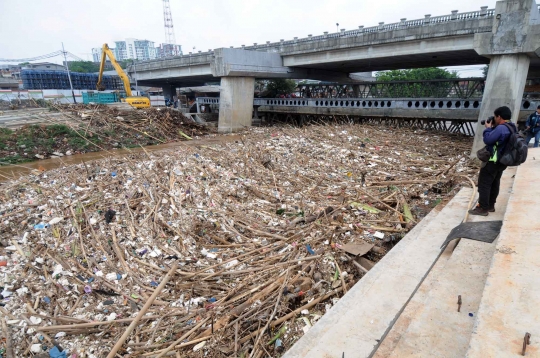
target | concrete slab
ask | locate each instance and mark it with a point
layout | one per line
(436, 329)
(362, 317)
(510, 301)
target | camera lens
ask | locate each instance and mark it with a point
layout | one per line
(483, 122)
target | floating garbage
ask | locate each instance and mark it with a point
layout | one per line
(294, 214)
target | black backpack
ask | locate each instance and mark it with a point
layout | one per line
(515, 151)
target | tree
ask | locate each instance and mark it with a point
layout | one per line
(23, 64)
(415, 74)
(83, 66)
(429, 89)
(125, 63)
(280, 86)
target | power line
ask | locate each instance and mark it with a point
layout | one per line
(42, 57)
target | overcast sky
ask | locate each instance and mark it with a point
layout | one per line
(31, 28)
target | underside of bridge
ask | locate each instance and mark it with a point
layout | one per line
(180, 81)
(428, 59)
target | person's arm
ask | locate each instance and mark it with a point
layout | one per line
(528, 122)
(493, 135)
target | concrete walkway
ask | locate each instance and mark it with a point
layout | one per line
(360, 320)
(499, 284)
(432, 327)
(510, 304)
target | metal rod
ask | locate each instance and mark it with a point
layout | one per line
(69, 75)
(135, 70)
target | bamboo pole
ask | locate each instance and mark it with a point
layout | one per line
(145, 308)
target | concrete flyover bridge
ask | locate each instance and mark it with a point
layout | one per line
(507, 38)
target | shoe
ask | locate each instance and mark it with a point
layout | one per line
(479, 211)
(491, 209)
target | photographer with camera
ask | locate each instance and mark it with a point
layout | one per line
(496, 137)
(533, 127)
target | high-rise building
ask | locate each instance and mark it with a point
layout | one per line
(120, 51)
(168, 50)
(96, 54)
(139, 49)
(135, 49)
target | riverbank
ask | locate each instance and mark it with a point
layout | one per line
(93, 128)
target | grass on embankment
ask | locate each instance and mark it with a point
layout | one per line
(23, 144)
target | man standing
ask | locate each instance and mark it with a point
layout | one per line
(533, 127)
(496, 137)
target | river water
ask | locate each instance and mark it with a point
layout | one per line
(14, 171)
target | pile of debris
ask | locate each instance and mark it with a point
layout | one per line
(222, 250)
(6, 105)
(90, 128)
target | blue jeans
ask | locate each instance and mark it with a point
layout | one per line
(535, 136)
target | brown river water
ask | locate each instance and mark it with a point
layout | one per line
(14, 171)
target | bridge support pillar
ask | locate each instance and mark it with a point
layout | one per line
(235, 103)
(504, 87)
(169, 91)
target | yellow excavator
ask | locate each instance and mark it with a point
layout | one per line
(134, 101)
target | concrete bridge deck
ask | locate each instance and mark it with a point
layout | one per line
(406, 306)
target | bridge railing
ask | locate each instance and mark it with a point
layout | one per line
(455, 16)
(450, 88)
(373, 103)
(386, 103)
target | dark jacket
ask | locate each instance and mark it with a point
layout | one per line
(534, 122)
(497, 137)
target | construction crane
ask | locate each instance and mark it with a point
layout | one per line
(134, 101)
(169, 27)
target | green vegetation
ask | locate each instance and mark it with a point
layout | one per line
(14, 159)
(430, 89)
(5, 134)
(125, 63)
(280, 86)
(36, 139)
(83, 66)
(415, 74)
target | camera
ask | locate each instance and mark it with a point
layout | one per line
(489, 120)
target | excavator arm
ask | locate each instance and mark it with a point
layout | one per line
(106, 51)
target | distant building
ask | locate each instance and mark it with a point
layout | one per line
(168, 50)
(141, 50)
(120, 51)
(132, 49)
(96, 54)
(44, 66)
(9, 83)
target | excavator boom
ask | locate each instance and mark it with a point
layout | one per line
(106, 51)
(137, 102)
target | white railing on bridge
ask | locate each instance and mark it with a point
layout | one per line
(455, 16)
(374, 103)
